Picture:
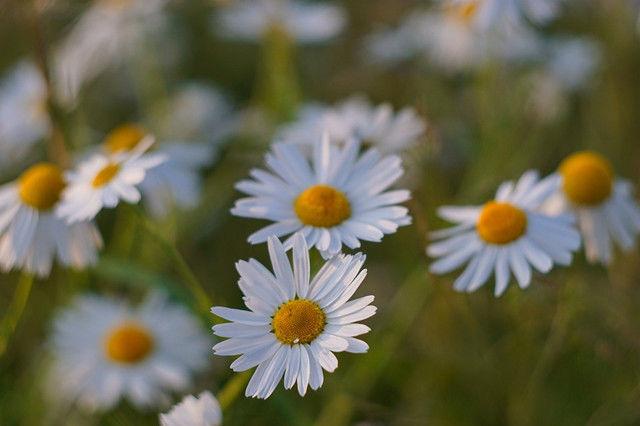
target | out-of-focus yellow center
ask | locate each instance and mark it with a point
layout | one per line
(40, 186)
(105, 175)
(129, 343)
(587, 178)
(464, 11)
(501, 223)
(124, 138)
(322, 206)
(298, 321)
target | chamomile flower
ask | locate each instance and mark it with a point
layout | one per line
(23, 113)
(506, 235)
(104, 179)
(356, 118)
(490, 13)
(605, 206)
(104, 350)
(340, 197)
(31, 235)
(295, 323)
(305, 22)
(202, 411)
(107, 33)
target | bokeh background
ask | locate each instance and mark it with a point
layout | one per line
(564, 352)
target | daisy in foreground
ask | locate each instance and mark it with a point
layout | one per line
(506, 234)
(604, 205)
(105, 178)
(31, 236)
(338, 199)
(105, 350)
(201, 411)
(294, 323)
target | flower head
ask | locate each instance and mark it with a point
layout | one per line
(339, 198)
(506, 235)
(295, 323)
(201, 411)
(105, 350)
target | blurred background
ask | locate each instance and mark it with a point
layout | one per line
(564, 352)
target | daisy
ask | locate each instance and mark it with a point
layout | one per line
(489, 13)
(201, 411)
(31, 235)
(605, 206)
(109, 32)
(23, 113)
(103, 179)
(507, 234)
(104, 350)
(339, 198)
(304, 22)
(294, 323)
(356, 118)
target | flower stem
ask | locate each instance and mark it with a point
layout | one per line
(201, 297)
(232, 389)
(14, 313)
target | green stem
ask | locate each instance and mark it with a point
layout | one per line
(232, 389)
(14, 313)
(201, 297)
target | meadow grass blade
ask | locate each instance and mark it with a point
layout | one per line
(15, 311)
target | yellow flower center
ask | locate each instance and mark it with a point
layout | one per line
(128, 343)
(105, 175)
(298, 321)
(40, 186)
(464, 11)
(124, 138)
(501, 223)
(322, 206)
(587, 178)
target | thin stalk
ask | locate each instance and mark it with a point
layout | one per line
(181, 266)
(16, 308)
(232, 389)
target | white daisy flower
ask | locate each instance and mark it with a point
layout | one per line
(605, 206)
(339, 198)
(103, 180)
(491, 13)
(304, 22)
(23, 113)
(31, 235)
(356, 118)
(104, 350)
(202, 411)
(294, 323)
(108, 32)
(452, 39)
(506, 235)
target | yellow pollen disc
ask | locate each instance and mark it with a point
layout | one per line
(587, 178)
(298, 321)
(322, 206)
(501, 223)
(129, 343)
(40, 186)
(124, 138)
(105, 175)
(464, 11)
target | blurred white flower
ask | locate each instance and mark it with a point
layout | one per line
(31, 236)
(453, 39)
(202, 411)
(506, 235)
(24, 119)
(102, 180)
(294, 323)
(492, 13)
(605, 205)
(305, 22)
(356, 118)
(108, 32)
(105, 350)
(337, 197)
(570, 64)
